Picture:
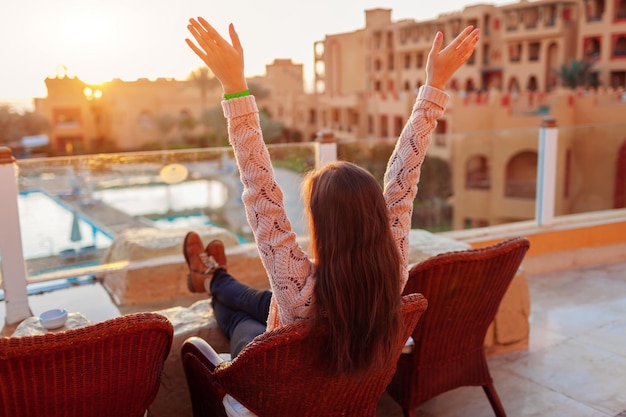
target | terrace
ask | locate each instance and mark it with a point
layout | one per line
(113, 249)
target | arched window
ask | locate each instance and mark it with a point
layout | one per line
(469, 85)
(477, 173)
(592, 48)
(619, 47)
(521, 175)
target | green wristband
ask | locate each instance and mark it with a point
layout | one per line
(237, 94)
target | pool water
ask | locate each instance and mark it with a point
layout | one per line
(164, 198)
(48, 228)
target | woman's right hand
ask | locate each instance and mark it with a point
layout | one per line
(222, 58)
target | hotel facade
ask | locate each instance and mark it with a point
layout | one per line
(364, 87)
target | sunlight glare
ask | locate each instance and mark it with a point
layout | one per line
(91, 37)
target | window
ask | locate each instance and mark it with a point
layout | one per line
(477, 173)
(531, 16)
(619, 46)
(515, 52)
(521, 176)
(533, 51)
(594, 9)
(407, 61)
(513, 85)
(618, 79)
(419, 60)
(469, 85)
(620, 9)
(389, 39)
(312, 117)
(66, 118)
(384, 129)
(512, 20)
(549, 15)
(591, 48)
(486, 54)
(377, 40)
(404, 34)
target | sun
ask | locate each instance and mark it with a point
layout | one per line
(87, 40)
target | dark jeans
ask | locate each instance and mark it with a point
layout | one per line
(240, 310)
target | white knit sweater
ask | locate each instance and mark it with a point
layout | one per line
(291, 272)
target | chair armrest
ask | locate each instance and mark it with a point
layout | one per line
(204, 351)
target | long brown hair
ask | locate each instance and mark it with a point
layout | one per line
(357, 288)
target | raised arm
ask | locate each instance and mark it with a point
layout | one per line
(287, 265)
(403, 169)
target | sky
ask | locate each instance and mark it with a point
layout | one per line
(129, 39)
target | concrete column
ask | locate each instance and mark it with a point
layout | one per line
(546, 172)
(13, 266)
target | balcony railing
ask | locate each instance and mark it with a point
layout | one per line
(61, 216)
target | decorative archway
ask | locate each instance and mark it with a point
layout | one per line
(521, 175)
(513, 86)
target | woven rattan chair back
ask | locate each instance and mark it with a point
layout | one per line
(280, 374)
(464, 290)
(107, 369)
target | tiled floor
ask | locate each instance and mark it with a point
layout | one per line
(575, 365)
(576, 362)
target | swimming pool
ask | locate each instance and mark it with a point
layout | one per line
(49, 227)
(158, 199)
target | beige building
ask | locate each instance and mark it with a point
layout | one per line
(499, 99)
(365, 83)
(125, 114)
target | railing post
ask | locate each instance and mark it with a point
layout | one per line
(13, 267)
(326, 150)
(546, 172)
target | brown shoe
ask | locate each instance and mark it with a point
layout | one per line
(216, 254)
(201, 266)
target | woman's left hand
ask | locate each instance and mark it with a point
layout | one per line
(442, 64)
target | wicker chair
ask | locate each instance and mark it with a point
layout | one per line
(278, 374)
(464, 290)
(108, 369)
